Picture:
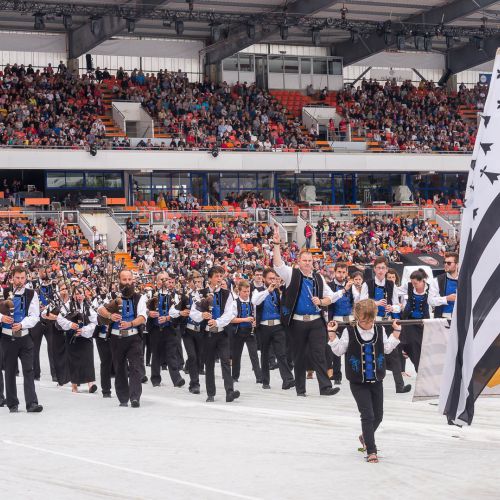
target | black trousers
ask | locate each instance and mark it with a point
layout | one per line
(106, 366)
(309, 337)
(164, 347)
(60, 356)
(43, 329)
(240, 338)
(13, 349)
(333, 361)
(411, 342)
(370, 400)
(273, 338)
(146, 347)
(216, 345)
(129, 366)
(193, 343)
(2, 387)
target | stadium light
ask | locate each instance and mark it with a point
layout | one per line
(251, 31)
(179, 26)
(130, 25)
(67, 21)
(284, 32)
(316, 36)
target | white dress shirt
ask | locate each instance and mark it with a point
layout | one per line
(224, 320)
(339, 345)
(87, 330)
(364, 291)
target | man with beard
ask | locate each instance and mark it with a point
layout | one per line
(126, 341)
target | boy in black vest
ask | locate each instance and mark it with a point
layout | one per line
(365, 346)
(216, 341)
(18, 344)
(244, 321)
(447, 284)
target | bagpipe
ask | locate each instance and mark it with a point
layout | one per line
(114, 306)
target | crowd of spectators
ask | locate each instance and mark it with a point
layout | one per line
(362, 240)
(49, 108)
(410, 118)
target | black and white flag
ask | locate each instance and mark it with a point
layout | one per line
(473, 353)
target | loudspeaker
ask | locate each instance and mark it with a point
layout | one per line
(90, 63)
(444, 78)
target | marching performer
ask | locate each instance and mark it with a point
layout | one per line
(305, 294)
(101, 335)
(447, 284)
(214, 312)
(267, 303)
(128, 314)
(79, 326)
(17, 342)
(59, 344)
(365, 346)
(244, 320)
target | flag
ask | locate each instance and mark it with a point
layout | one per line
(473, 353)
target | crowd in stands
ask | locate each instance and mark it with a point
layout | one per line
(410, 118)
(201, 115)
(49, 108)
(366, 238)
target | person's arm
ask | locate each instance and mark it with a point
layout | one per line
(142, 313)
(259, 297)
(337, 345)
(329, 296)
(435, 299)
(391, 342)
(235, 318)
(63, 322)
(88, 330)
(194, 314)
(33, 316)
(227, 315)
(364, 292)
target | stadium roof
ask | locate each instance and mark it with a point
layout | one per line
(468, 31)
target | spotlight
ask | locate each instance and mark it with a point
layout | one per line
(39, 22)
(479, 42)
(167, 23)
(284, 32)
(215, 32)
(179, 26)
(130, 25)
(343, 13)
(251, 31)
(93, 150)
(449, 42)
(388, 38)
(316, 36)
(67, 21)
(401, 42)
(215, 151)
(354, 36)
(419, 42)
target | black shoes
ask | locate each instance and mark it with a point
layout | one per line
(144, 379)
(301, 394)
(93, 388)
(34, 408)
(106, 394)
(402, 390)
(235, 379)
(164, 367)
(135, 404)
(124, 405)
(266, 386)
(258, 381)
(54, 379)
(273, 365)
(194, 390)
(232, 395)
(337, 382)
(180, 383)
(288, 385)
(329, 391)
(14, 409)
(210, 399)
(157, 384)
(3, 402)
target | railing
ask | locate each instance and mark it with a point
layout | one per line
(87, 230)
(284, 214)
(348, 213)
(119, 119)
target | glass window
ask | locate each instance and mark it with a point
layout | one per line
(55, 180)
(231, 63)
(265, 181)
(161, 182)
(334, 67)
(305, 66)
(229, 181)
(275, 64)
(246, 62)
(291, 65)
(319, 66)
(74, 179)
(94, 180)
(113, 180)
(248, 181)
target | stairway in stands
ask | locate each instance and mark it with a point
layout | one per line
(468, 114)
(75, 229)
(112, 129)
(127, 260)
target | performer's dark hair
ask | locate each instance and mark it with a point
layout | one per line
(379, 260)
(453, 255)
(340, 265)
(267, 271)
(419, 275)
(391, 270)
(215, 270)
(18, 270)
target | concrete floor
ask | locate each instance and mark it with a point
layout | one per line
(267, 445)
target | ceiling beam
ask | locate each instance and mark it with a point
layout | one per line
(467, 56)
(239, 40)
(365, 47)
(83, 39)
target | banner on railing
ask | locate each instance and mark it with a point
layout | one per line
(70, 216)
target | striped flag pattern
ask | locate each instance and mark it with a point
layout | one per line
(473, 353)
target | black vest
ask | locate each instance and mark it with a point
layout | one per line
(411, 304)
(260, 308)
(292, 291)
(442, 281)
(389, 287)
(239, 309)
(357, 356)
(223, 300)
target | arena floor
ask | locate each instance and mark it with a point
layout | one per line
(268, 445)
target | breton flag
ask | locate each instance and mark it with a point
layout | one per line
(473, 353)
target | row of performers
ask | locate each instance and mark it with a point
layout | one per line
(212, 323)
